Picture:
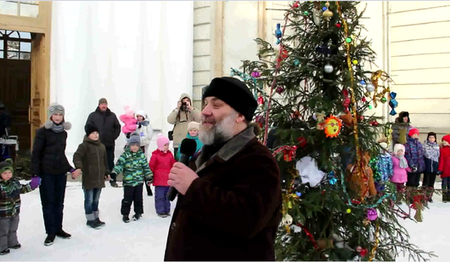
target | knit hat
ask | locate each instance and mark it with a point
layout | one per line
(431, 134)
(135, 139)
(6, 165)
(90, 129)
(398, 147)
(446, 138)
(413, 132)
(56, 108)
(233, 92)
(102, 101)
(161, 141)
(141, 113)
(193, 126)
(384, 145)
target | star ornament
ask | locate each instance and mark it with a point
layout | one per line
(333, 126)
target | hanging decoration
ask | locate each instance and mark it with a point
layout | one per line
(256, 74)
(333, 126)
(316, 13)
(327, 14)
(377, 242)
(278, 33)
(393, 103)
(362, 184)
(309, 172)
(372, 214)
(378, 96)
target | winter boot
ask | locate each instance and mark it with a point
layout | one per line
(63, 234)
(5, 252)
(126, 219)
(49, 240)
(97, 219)
(430, 194)
(444, 194)
(136, 217)
(162, 215)
(91, 221)
(16, 246)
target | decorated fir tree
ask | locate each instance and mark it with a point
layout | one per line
(313, 94)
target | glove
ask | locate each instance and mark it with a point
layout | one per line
(35, 182)
(414, 169)
(439, 173)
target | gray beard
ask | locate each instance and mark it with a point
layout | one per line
(219, 133)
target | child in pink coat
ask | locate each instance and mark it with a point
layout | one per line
(161, 162)
(401, 169)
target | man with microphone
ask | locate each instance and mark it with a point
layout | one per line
(230, 207)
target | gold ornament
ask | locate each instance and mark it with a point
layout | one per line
(327, 14)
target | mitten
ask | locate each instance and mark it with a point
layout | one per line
(35, 182)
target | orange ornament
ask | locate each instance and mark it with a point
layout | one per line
(333, 126)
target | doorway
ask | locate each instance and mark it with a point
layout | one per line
(15, 86)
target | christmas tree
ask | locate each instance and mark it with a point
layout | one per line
(313, 94)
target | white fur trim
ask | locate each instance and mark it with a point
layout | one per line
(48, 124)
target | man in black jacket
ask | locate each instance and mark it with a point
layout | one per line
(228, 209)
(109, 129)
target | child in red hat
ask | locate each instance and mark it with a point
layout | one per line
(444, 168)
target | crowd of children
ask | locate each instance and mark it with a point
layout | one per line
(90, 161)
(408, 162)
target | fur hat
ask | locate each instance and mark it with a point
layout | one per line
(141, 113)
(446, 138)
(413, 132)
(402, 115)
(193, 126)
(90, 129)
(102, 101)
(431, 134)
(56, 108)
(233, 92)
(7, 165)
(135, 139)
(161, 141)
(398, 147)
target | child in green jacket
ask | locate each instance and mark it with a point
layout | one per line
(134, 167)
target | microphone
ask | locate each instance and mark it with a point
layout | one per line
(187, 149)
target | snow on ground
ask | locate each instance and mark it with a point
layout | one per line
(145, 240)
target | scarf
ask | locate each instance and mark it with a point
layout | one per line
(57, 128)
(403, 162)
(431, 151)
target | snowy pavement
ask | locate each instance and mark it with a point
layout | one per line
(145, 240)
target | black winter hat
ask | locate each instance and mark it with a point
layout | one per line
(432, 134)
(402, 115)
(233, 92)
(90, 129)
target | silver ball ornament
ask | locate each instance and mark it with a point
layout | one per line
(328, 68)
(370, 87)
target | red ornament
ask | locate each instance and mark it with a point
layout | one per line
(295, 5)
(283, 55)
(374, 123)
(296, 114)
(357, 202)
(338, 25)
(289, 153)
(363, 99)
(302, 141)
(364, 252)
(280, 90)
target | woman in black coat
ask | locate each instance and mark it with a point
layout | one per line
(49, 162)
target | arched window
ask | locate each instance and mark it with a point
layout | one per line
(15, 45)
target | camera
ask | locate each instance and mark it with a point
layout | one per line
(184, 106)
